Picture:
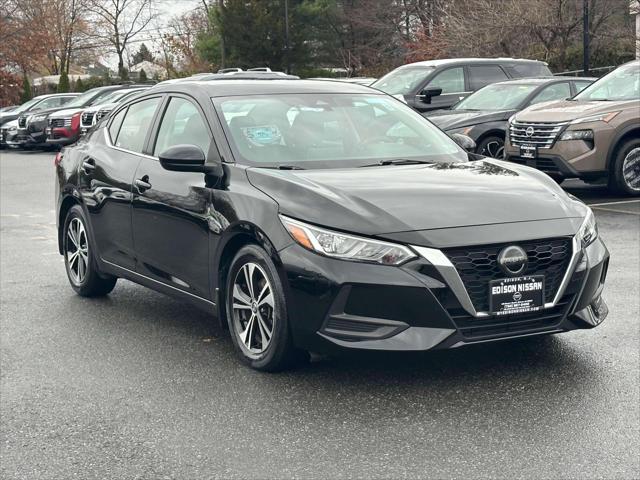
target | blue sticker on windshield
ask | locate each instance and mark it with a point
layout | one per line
(263, 135)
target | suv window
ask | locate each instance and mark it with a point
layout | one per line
(581, 85)
(182, 124)
(528, 70)
(450, 80)
(50, 102)
(135, 125)
(481, 75)
(558, 91)
(115, 125)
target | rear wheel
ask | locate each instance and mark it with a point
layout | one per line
(492, 147)
(625, 169)
(79, 259)
(257, 311)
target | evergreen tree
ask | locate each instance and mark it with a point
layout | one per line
(26, 90)
(142, 54)
(63, 84)
(79, 86)
(142, 76)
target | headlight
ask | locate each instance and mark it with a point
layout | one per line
(602, 117)
(577, 135)
(13, 129)
(589, 230)
(346, 247)
(463, 130)
(37, 118)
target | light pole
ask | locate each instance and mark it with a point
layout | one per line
(286, 35)
(585, 37)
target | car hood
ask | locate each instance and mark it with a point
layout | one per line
(7, 117)
(68, 112)
(392, 199)
(10, 124)
(450, 119)
(567, 110)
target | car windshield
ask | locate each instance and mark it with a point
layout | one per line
(85, 99)
(111, 97)
(621, 84)
(331, 131)
(402, 81)
(498, 96)
(25, 106)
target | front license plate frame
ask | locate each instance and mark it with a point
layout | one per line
(508, 296)
(530, 152)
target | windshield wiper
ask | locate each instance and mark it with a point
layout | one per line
(398, 161)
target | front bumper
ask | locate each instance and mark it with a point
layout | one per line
(336, 305)
(32, 136)
(62, 136)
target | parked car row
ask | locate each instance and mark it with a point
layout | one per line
(50, 121)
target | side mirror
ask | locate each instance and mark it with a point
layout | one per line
(464, 141)
(426, 94)
(186, 158)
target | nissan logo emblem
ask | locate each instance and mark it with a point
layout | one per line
(529, 132)
(512, 260)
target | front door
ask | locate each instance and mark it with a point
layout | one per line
(452, 83)
(106, 178)
(171, 209)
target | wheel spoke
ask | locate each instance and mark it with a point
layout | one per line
(268, 300)
(248, 276)
(265, 333)
(81, 268)
(240, 298)
(72, 237)
(245, 336)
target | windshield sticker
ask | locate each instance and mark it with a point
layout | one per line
(263, 135)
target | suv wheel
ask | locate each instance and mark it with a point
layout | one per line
(79, 261)
(492, 147)
(625, 170)
(257, 311)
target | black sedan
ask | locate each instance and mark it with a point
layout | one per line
(483, 115)
(319, 216)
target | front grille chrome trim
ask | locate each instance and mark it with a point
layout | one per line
(452, 278)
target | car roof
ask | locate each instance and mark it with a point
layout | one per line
(49, 95)
(453, 61)
(241, 87)
(545, 80)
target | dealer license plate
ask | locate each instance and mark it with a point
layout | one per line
(528, 151)
(516, 295)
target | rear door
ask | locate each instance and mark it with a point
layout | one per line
(106, 178)
(171, 210)
(482, 75)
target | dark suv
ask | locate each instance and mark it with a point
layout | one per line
(442, 83)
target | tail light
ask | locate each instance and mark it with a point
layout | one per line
(58, 159)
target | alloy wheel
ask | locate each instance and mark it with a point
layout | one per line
(631, 169)
(494, 149)
(253, 309)
(77, 251)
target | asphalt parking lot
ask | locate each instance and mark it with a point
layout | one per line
(138, 385)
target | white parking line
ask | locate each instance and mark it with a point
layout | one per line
(612, 203)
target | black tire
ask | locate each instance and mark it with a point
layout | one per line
(491, 143)
(279, 353)
(92, 283)
(617, 182)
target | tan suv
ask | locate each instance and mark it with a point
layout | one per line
(594, 135)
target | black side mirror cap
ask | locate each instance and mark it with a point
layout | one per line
(186, 158)
(426, 94)
(464, 141)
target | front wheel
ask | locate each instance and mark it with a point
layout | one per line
(257, 312)
(79, 258)
(492, 147)
(625, 169)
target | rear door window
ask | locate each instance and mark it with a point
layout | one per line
(581, 85)
(481, 75)
(136, 124)
(114, 128)
(450, 80)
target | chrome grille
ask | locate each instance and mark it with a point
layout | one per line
(102, 113)
(59, 122)
(543, 135)
(87, 118)
(22, 122)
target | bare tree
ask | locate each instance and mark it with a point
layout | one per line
(118, 22)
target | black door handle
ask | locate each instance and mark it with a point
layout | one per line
(143, 183)
(89, 165)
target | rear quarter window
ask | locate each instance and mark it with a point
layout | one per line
(526, 70)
